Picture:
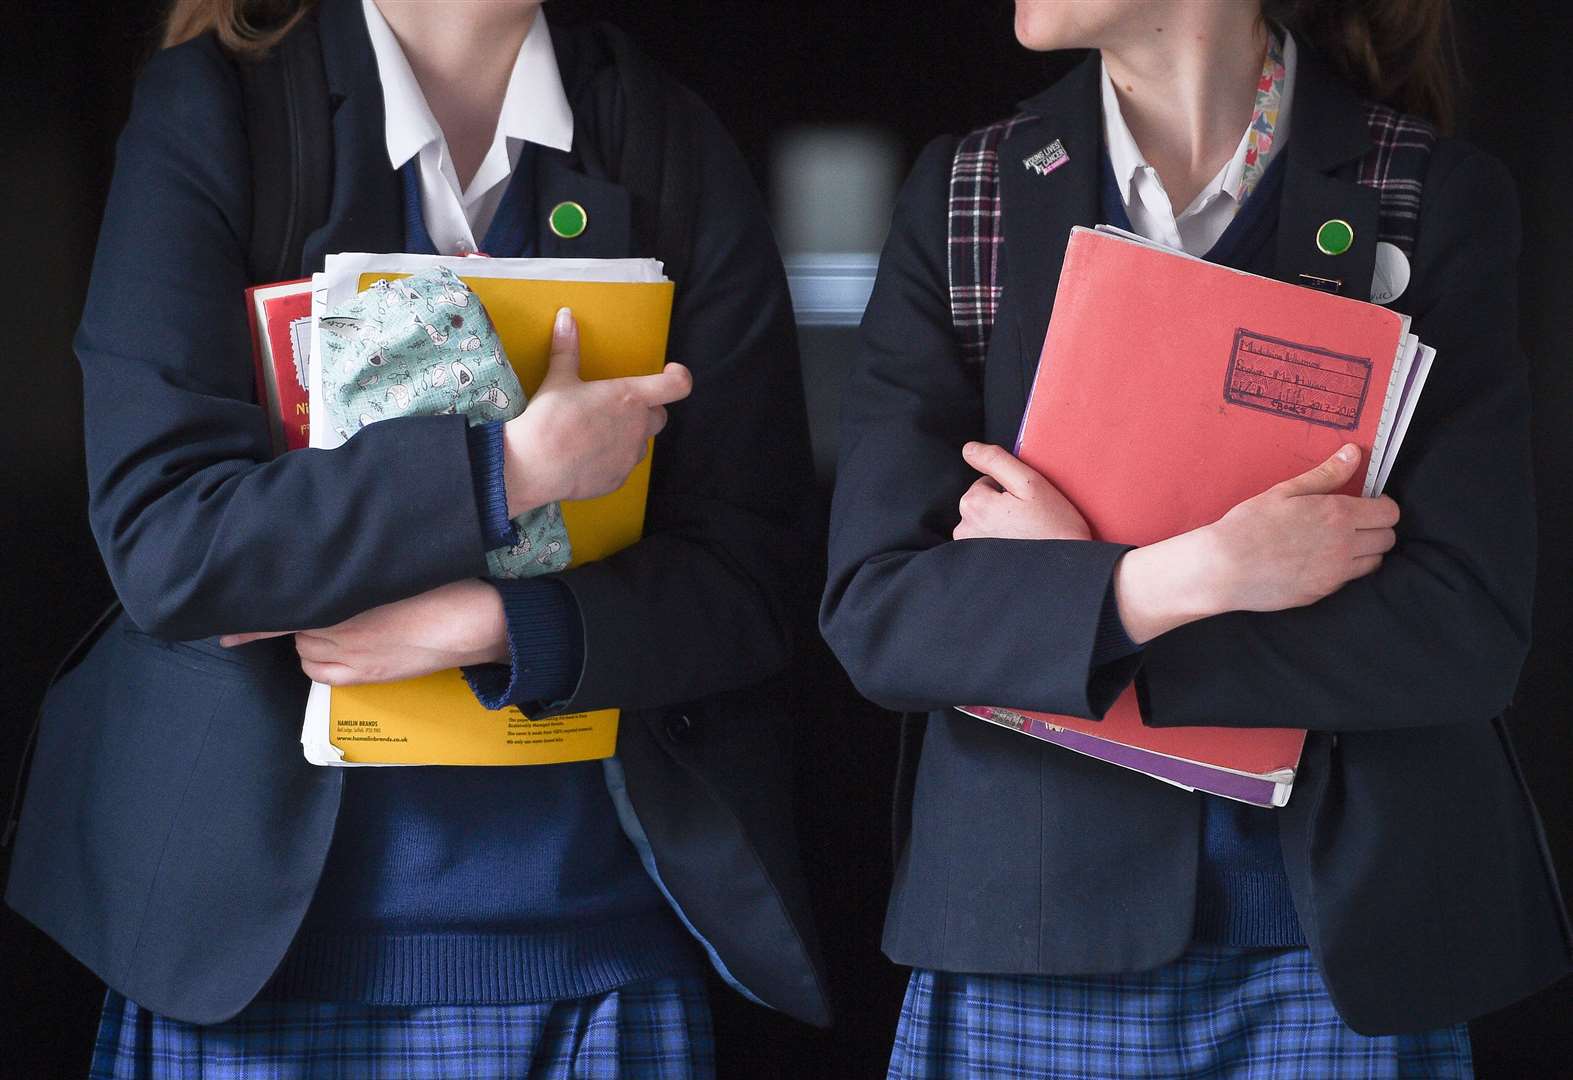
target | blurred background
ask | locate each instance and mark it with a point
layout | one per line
(830, 102)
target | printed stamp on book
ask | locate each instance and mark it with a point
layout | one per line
(1298, 381)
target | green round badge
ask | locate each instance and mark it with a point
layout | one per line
(568, 220)
(1335, 237)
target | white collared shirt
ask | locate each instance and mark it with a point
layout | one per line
(1196, 228)
(534, 109)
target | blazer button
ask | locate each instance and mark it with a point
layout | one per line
(678, 726)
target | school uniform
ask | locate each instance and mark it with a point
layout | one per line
(193, 860)
(1077, 919)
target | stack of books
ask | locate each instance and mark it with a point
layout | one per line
(623, 309)
(1170, 389)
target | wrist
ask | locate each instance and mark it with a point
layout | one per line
(487, 637)
(1166, 585)
(521, 484)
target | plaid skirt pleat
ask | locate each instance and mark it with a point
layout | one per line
(657, 1029)
(1214, 1013)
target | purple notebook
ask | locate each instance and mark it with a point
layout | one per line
(1191, 775)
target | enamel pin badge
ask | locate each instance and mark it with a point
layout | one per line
(568, 220)
(1048, 159)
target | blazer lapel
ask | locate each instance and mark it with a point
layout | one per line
(1328, 135)
(1038, 209)
(608, 211)
(581, 175)
(366, 210)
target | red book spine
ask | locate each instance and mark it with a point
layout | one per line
(280, 325)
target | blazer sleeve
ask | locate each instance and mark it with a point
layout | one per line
(201, 531)
(707, 600)
(918, 620)
(1439, 633)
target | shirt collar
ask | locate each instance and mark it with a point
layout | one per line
(535, 107)
(1263, 136)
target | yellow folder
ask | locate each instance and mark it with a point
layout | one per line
(436, 720)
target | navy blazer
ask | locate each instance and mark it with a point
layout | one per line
(172, 835)
(1415, 856)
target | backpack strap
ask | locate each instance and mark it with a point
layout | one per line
(1395, 166)
(654, 153)
(975, 236)
(289, 126)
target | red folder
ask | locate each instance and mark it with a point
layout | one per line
(1169, 389)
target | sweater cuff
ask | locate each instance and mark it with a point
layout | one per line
(545, 647)
(1115, 657)
(491, 493)
(1111, 642)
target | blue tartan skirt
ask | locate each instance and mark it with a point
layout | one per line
(1216, 1012)
(657, 1029)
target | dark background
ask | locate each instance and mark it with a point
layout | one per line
(913, 68)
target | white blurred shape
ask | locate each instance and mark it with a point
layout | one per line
(833, 189)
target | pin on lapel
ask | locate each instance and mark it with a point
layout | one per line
(1390, 277)
(568, 220)
(1048, 159)
(1325, 284)
(1335, 237)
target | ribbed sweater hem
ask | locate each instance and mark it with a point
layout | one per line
(1245, 909)
(483, 969)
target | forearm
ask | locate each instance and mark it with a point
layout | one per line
(201, 532)
(986, 622)
(680, 616)
(1428, 638)
(1164, 586)
(1405, 647)
(200, 538)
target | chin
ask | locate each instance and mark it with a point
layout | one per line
(1042, 25)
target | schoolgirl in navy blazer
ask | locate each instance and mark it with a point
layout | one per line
(1407, 881)
(173, 838)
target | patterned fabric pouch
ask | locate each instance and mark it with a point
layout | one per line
(424, 346)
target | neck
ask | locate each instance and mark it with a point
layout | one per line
(1187, 89)
(462, 55)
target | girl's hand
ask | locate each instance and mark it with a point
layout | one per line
(451, 626)
(1298, 542)
(579, 440)
(1290, 546)
(1013, 501)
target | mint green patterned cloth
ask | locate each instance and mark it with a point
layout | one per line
(424, 346)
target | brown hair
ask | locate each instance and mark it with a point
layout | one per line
(1397, 52)
(247, 28)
